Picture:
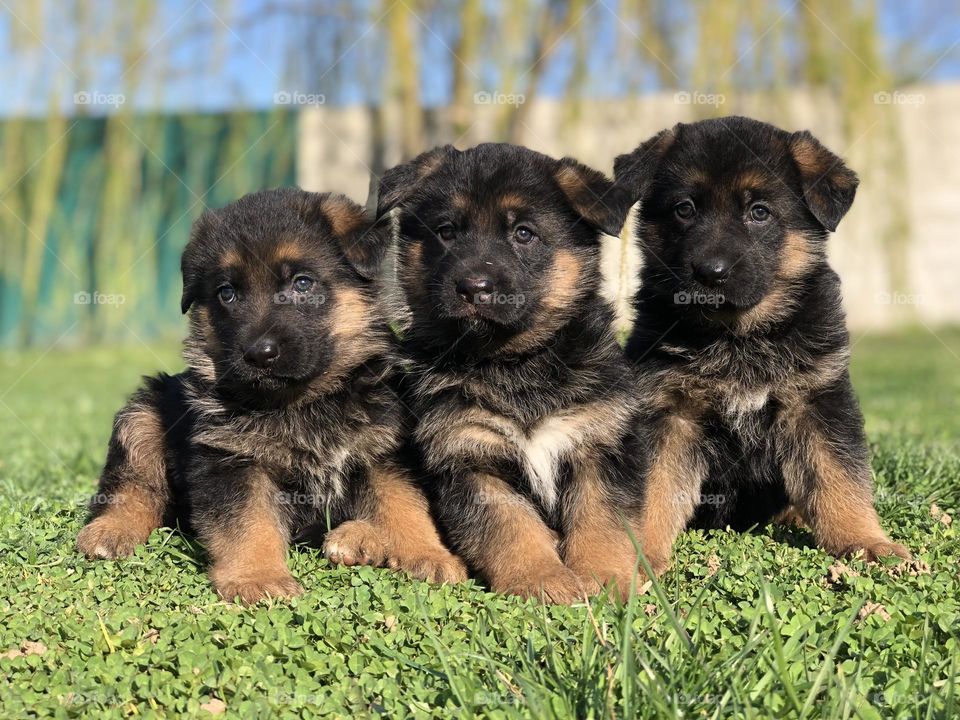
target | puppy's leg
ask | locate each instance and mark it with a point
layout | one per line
(236, 514)
(395, 529)
(671, 487)
(596, 543)
(133, 492)
(827, 474)
(497, 531)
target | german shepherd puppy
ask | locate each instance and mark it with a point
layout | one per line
(740, 339)
(525, 403)
(285, 419)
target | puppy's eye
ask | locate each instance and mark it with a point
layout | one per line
(446, 232)
(227, 294)
(524, 235)
(302, 283)
(760, 213)
(685, 210)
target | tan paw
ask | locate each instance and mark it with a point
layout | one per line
(873, 550)
(355, 542)
(559, 586)
(440, 566)
(108, 539)
(616, 581)
(249, 591)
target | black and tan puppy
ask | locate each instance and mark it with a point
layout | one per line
(524, 400)
(285, 420)
(740, 338)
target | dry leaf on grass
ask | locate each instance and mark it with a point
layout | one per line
(872, 608)
(838, 572)
(214, 706)
(28, 647)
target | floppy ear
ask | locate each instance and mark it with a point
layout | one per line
(593, 195)
(192, 260)
(829, 186)
(399, 183)
(634, 171)
(363, 245)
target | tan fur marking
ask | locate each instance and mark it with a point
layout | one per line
(249, 556)
(512, 201)
(751, 180)
(412, 541)
(838, 503)
(808, 156)
(350, 316)
(555, 307)
(231, 258)
(672, 489)
(351, 323)
(518, 552)
(201, 344)
(790, 517)
(132, 514)
(411, 274)
(796, 259)
(570, 181)
(142, 434)
(287, 252)
(136, 509)
(343, 215)
(597, 545)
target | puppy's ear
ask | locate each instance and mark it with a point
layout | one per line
(635, 171)
(399, 183)
(363, 245)
(593, 195)
(829, 186)
(193, 260)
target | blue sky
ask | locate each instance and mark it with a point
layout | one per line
(248, 65)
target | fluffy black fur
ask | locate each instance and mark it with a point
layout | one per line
(740, 339)
(525, 405)
(286, 422)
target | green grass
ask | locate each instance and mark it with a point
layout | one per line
(742, 626)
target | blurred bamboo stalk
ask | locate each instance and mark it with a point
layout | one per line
(104, 203)
(405, 73)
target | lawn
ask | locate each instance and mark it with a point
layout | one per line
(752, 625)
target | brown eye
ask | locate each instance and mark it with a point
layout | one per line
(302, 283)
(446, 232)
(760, 213)
(684, 210)
(523, 235)
(227, 294)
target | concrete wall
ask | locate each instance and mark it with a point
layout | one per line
(895, 250)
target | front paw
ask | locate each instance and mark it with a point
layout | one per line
(355, 542)
(251, 590)
(616, 581)
(439, 567)
(107, 539)
(557, 586)
(873, 550)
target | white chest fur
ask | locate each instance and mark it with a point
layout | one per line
(542, 450)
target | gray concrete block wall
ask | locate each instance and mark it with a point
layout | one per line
(903, 224)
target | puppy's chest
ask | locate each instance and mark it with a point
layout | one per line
(544, 445)
(308, 451)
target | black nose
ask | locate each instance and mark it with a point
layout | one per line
(712, 271)
(476, 290)
(262, 353)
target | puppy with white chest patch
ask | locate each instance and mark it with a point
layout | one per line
(525, 403)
